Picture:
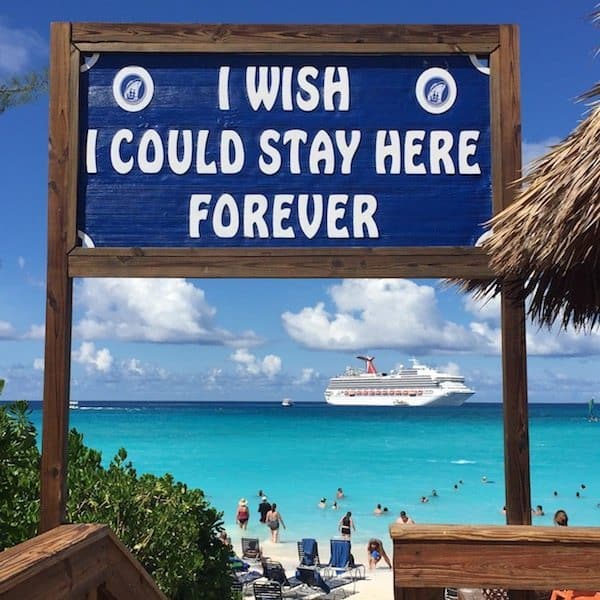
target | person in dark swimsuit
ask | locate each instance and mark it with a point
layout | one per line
(346, 525)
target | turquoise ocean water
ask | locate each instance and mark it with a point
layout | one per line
(377, 455)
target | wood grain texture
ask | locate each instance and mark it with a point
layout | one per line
(74, 562)
(513, 557)
(285, 38)
(277, 263)
(506, 131)
(61, 239)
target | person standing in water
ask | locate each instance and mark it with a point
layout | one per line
(274, 521)
(346, 525)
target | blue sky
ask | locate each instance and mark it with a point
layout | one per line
(268, 339)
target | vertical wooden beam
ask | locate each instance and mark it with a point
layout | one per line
(506, 131)
(507, 168)
(62, 180)
(506, 145)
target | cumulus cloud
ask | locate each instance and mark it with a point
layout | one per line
(93, 360)
(38, 364)
(19, 48)
(540, 341)
(249, 364)
(307, 376)
(7, 331)
(378, 313)
(152, 310)
(35, 332)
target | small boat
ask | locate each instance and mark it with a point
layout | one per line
(287, 402)
(73, 403)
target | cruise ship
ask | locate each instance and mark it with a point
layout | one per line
(417, 385)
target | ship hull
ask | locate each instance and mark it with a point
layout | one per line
(455, 398)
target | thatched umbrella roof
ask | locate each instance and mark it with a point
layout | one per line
(549, 239)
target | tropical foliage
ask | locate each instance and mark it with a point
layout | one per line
(171, 529)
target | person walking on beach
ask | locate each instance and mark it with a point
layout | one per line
(263, 508)
(404, 519)
(243, 514)
(346, 525)
(274, 520)
(376, 553)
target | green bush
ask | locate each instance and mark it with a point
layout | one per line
(171, 529)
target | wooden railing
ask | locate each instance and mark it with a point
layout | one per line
(514, 557)
(74, 562)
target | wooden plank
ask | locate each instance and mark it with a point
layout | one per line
(513, 557)
(72, 561)
(278, 263)
(70, 557)
(61, 232)
(268, 38)
(506, 130)
(128, 579)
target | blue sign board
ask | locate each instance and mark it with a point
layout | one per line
(208, 150)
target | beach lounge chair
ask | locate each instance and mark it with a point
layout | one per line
(244, 580)
(342, 561)
(251, 548)
(274, 571)
(308, 553)
(450, 593)
(315, 582)
(267, 591)
(574, 595)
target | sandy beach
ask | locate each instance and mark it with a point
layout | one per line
(377, 585)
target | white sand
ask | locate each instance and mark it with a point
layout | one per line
(378, 584)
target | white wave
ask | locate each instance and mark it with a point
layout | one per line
(462, 461)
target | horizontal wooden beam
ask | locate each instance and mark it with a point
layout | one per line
(278, 263)
(480, 39)
(73, 562)
(517, 557)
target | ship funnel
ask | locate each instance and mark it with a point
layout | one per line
(370, 366)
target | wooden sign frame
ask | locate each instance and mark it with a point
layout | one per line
(67, 259)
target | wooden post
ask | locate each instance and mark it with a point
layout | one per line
(506, 134)
(61, 239)
(507, 169)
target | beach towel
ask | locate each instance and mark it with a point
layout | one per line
(340, 554)
(312, 578)
(309, 549)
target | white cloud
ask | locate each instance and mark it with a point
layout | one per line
(38, 364)
(7, 331)
(35, 332)
(540, 341)
(308, 375)
(19, 48)
(533, 150)
(378, 313)
(249, 364)
(154, 310)
(133, 366)
(21, 262)
(93, 360)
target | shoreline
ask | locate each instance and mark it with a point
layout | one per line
(378, 582)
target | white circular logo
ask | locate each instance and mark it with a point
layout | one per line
(133, 88)
(436, 90)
